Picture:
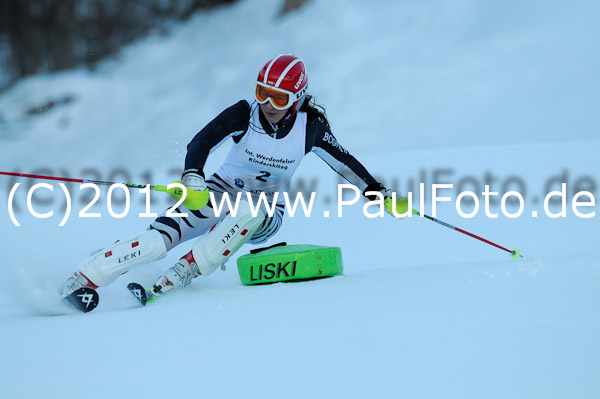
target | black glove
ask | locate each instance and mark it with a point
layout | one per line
(377, 187)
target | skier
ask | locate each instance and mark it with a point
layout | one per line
(271, 135)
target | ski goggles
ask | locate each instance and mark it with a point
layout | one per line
(279, 98)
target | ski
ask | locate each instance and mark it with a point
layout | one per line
(84, 299)
(143, 295)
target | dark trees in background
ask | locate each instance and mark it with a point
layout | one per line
(39, 34)
(291, 5)
(51, 35)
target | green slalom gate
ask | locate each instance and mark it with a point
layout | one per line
(289, 263)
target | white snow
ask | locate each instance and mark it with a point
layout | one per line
(464, 90)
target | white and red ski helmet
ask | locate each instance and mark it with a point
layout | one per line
(283, 82)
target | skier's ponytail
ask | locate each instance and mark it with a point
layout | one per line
(314, 110)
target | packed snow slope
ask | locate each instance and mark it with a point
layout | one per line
(466, 93)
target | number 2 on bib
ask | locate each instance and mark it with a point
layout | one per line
(264, 176)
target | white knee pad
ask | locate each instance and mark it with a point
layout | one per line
(104, 266)
(213, 249)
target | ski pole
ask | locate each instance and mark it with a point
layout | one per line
(98, 182)
(402, 204)
(194, 199)
(515, 252)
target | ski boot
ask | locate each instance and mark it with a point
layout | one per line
(180, 275)
(77, 281)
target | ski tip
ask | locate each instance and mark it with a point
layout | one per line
(84, 299)
(139, 292)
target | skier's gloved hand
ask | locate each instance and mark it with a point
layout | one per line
(394, 206)
(193, 180)
(374, 188)
(195, 191)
